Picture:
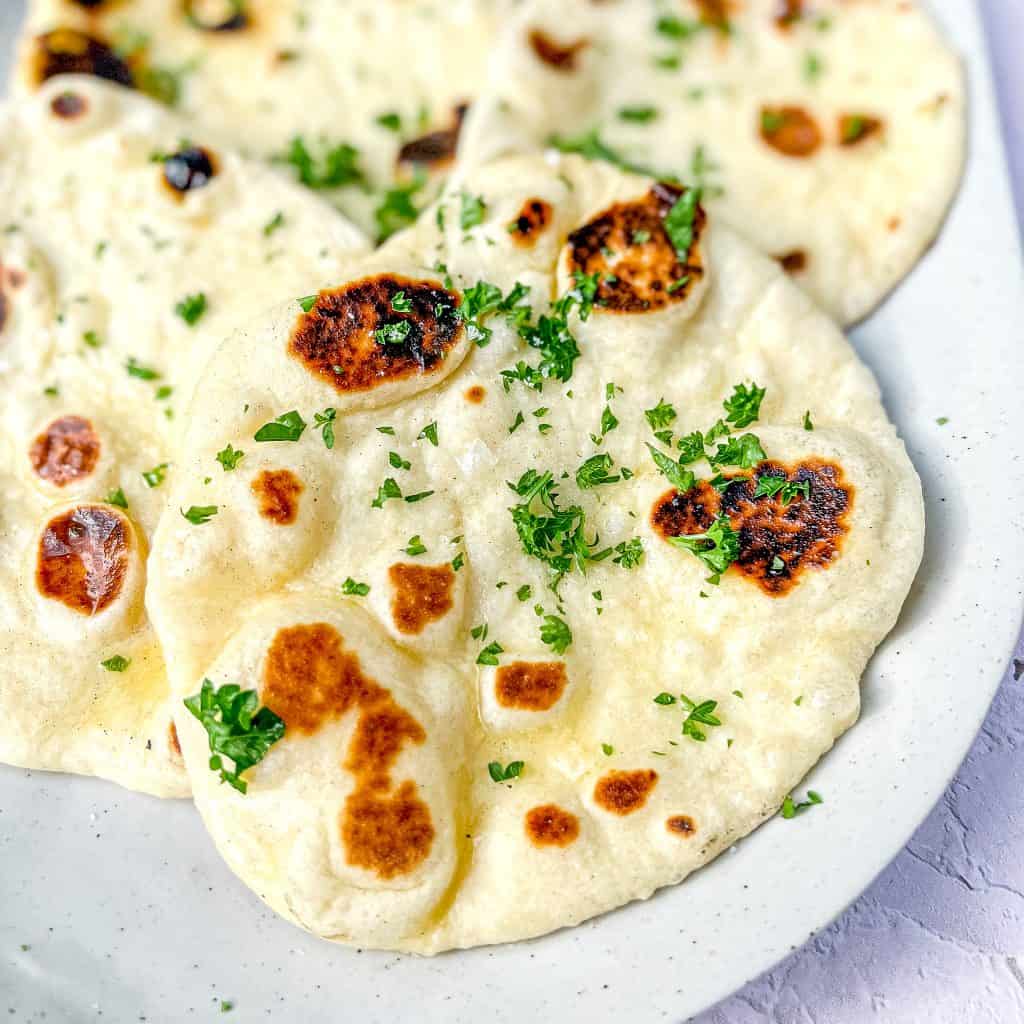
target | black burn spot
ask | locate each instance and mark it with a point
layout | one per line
(533, 218)
(189, 169)
(777, 541)
(336, 339)
(65, 51)
(629, 247)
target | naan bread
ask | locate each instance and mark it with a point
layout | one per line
(388, 77)
(407, 639)
(113, 287)
(830, 133)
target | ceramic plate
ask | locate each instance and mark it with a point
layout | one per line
(115, 905)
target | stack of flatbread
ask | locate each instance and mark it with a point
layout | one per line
(429, 440)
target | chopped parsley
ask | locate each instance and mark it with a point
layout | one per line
(744, 405)
(136, 369)
(388, 489)
(338, 165)
(698, 715)
(770, 485)
(638, 114)
(397, 462)
(197, 515)
(429, 433)
(401, 303)
(155, 477)
(744, 451)
(116, 497)
(394, 333)
(230, 457)
(191, 308)
(677, 475)
(630, 553)
(525, 592)
(607, 749)
(307, 302)
(415, 546)
(717, 548)
(390, 120)
(116, 663)
(272, 225)
(237, 726)
(489, 655)
(396, 209)
(808, 425)
(287, 427)
(324, 421)
(555, 632)
(472, 210)
(691, 447)
(661, 416)
(92, 339)
(790, 809)
(499, 774)
(595, 471)
(353, 589)
(679, 222)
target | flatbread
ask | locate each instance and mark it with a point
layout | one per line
(830, 133)
(113, 288)
(407, 638)
(388, 77)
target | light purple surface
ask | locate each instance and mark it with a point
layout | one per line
(939, 936)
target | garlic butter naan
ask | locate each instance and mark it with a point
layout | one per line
(460, 562)
(126, 252)
(830, 133)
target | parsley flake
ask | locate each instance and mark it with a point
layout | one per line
(230, 457)
(351, 588)
(499, 774)
(238, 728)
(191, 308)
(197, 515)
(790, 809)
(717, 548)
(287, 427)
(116, 663)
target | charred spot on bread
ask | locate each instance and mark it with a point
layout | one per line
(794, 261)
(277, 495)
(68, 105)
(551, 825)
(533, 218)
(311, 678)
(421, 594)
(856, 128)
(790, 130)
(560, 56)
(530, 685)
(436, 149)
(82, 558)
(780, 536)
(628, 247)
(66, 51)
(190, 168)
(623, 792)
(346, 337)
(67, 450)
(681, 825)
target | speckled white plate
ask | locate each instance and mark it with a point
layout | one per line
(115, 906)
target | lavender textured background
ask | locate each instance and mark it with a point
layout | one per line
(939, 937)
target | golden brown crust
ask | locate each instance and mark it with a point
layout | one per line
(530, 685)
(476, 394)
(422, 595)
(311, 679)
(82, 559)
(640, 270)
(561, 57)
(336, 339)
(67, 450)
(778, 542)
(623, 792)
(277, 494)
(790, 130)
(681, 825)
(550, 825)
